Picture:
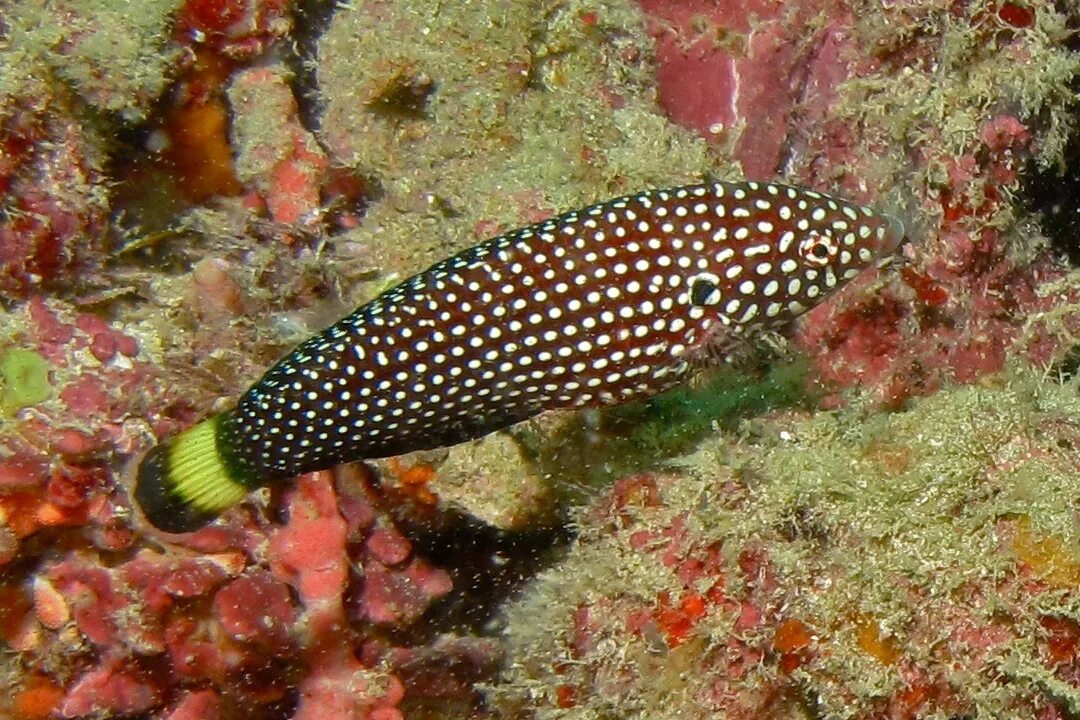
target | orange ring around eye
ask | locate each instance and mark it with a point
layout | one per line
(817, 249)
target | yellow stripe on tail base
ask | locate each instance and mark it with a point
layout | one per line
(184, 482)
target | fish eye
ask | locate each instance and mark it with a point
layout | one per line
(704, 289)
(817, 249)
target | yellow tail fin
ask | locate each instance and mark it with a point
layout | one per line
(182, 483)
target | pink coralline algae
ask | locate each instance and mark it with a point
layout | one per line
(49, 217)
(308, 551)
(274, 617)
(197, 705)
(284, 163)
(52, 454)
(109, 688)
(748, 74)
(155, 623)
(257, 608)
(961, 302)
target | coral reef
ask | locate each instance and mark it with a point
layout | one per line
(307, 602)
(63, 61)
(124, 635)
(943, 104)
(958, 112)
(185, 198)
(829, 565)
(798, 581)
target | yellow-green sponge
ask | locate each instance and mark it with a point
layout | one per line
(24, 379)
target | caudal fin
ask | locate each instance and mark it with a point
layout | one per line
(183, 483)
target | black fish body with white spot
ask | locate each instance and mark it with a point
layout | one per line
(597, 306)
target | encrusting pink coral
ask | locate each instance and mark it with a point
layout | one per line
(257, 608)
(309, 552)
(210, 610)
(215, 293)
(113, 687)
(239, 29)
(744, 74)
(283, 163)
(962, 302)
(51, 224)
(197, 705)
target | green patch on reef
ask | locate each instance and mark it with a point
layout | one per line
(473, 118)
(114, 53)
(594, 449)
(950, 530)
(24, 379)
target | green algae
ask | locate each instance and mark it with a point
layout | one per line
(942, 73)
(914, 521)
(590, 450)
(941, 99)
(115, 54)
(516, 111)
(24, 379)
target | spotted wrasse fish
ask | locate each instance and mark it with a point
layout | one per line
(597, 306)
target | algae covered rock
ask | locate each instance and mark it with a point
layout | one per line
(117, 55)
(477, 117)
(831, 565)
